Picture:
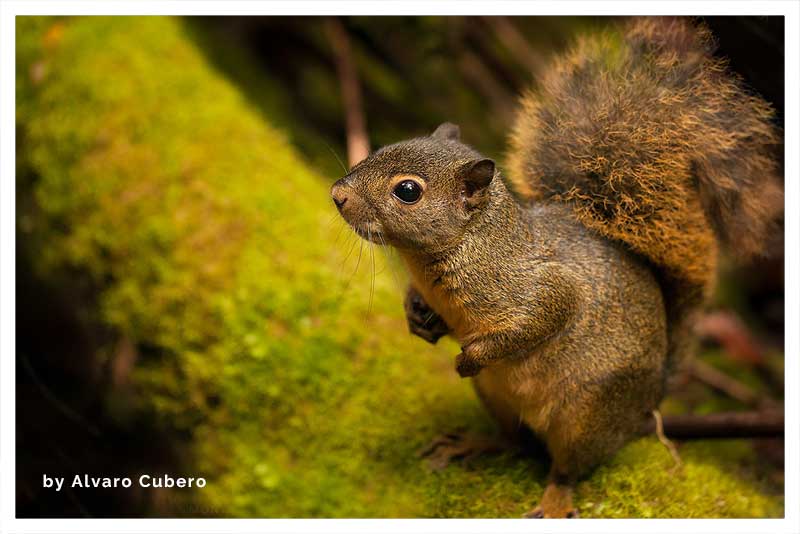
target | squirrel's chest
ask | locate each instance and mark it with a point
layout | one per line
(446, 297)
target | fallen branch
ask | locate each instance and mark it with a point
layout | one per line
(727, 329)
(762, 424)
(732, 334)
(727, 385)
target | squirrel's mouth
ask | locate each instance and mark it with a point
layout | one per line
(370, 233)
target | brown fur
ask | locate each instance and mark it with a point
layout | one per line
(655, 144)
(637, 148)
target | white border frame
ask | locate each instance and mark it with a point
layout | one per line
(8, 9)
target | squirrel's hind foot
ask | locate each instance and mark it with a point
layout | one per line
(460, 446)
(539, 513)
(556, 503)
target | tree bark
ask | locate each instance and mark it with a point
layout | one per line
(354, 116)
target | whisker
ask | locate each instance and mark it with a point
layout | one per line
(372, 281)
(333, 217)
(342, 226)
(382, 267)
(338, 236)
(358, 262)
(388, 257)
(352, 247)
(335, 155)
(346, 285)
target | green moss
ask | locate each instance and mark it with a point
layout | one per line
(214, 247)
(643, 481)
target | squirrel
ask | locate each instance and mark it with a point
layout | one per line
(573, 285)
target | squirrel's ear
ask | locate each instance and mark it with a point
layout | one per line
(477, 175)
(447, 130)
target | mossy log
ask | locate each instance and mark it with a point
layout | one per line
(213, 248)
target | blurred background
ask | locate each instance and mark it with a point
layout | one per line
(188, 302)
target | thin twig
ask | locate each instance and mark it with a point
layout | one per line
(665, 441)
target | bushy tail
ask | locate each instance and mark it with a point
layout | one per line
(656, 144)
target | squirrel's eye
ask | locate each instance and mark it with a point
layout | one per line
(407, 191)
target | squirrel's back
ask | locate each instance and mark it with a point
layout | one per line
(655, 144)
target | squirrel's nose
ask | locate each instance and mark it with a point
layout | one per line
(339, 195)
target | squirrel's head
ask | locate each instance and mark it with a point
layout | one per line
(420, 194)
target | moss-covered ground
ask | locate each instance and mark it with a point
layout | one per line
(264, 339)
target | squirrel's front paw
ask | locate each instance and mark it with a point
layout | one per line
(422, 320)
(467, 365)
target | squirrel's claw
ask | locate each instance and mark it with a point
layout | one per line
(430, 334)
(466, 366)
(538, 513)
(422, 320)
(460, 446)
(556, 503)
